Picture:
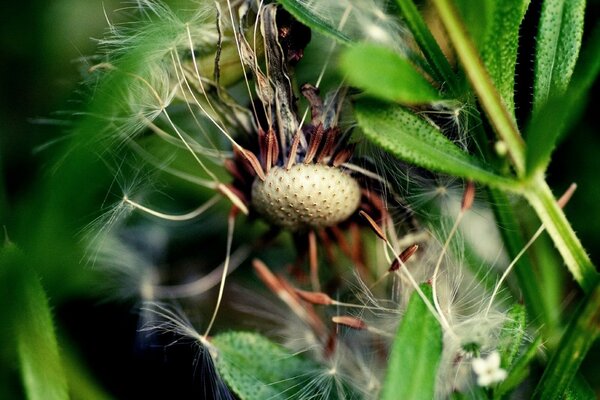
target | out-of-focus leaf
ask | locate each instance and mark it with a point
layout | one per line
(499, 50)
(440, 67)
(30, 320)
(383, 73)
(416, 353)
(558, 41)
(412, 139)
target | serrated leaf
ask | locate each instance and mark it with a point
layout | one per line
(32, 328)
(499, 50)
(558, 41)
(302, 13)
(416, 353)
(256, 368)
(412, 139)
(385, 74)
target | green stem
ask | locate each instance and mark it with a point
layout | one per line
(538, 307)
(499, 117)
(581, 333)
(552, 216)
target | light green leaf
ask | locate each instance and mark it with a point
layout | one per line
(256, 368)
(32, 328)
(416, 353)
(499, 50)
(302, 13)
(412, 139)
(440, 67)
(385, 74)
(558, 41)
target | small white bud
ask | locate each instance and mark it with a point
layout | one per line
(488, 369)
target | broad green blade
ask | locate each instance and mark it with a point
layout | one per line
(256, 368)
(558, 41)
(385, 74)
(416, 354)
(499, 50)
(549, 124)
(414, 140)
(30, 321)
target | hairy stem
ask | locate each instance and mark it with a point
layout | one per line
(552, 216)
(499, 117)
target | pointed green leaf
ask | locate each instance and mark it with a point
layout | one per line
(558, 41)
(499, 50)
(303, 13)
(256, 368)
(30, 320)
(581, 333)
(512, 335)
(416, 354)
(519, 370)
(385, 74)
(412, 139)
(440, 67)
(548, 125)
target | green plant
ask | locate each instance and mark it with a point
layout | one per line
(405, 296)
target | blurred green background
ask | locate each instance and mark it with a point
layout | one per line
(46, 199)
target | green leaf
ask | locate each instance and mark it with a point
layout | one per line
(256, 368)
(580, 390)
(548, 125)
(499, 50)
(32, 328)
(416, 353)
(302, 13)
(385, 74)
(581, 333)
(558, 41)
(412, 139)
(519, 370)
(440, 67)
(512, 334)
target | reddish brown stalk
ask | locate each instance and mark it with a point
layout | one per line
(468, 196)
(315, 141)
(313, 260)
(330, 136)
(293, 151)
(376, 228)
(254, 163)
(350, 322)
(343, 155)
(403, 257)
(318, 298)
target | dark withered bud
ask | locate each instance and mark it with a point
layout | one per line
(293, 36)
